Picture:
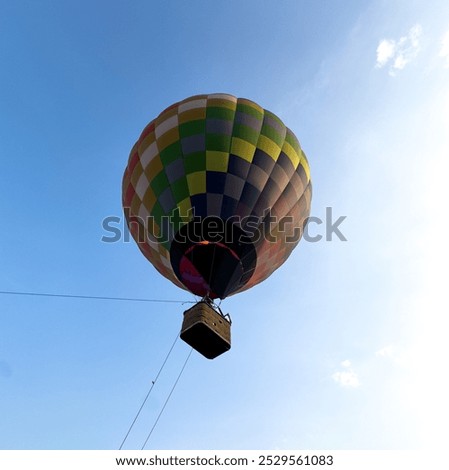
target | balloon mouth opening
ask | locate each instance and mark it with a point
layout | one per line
(211, 262)
(197, 267)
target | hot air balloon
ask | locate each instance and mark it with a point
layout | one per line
(216, 194)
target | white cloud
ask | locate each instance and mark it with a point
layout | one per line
(346, 378)
(392, 354)
(397, 356)
(385, 51)
(387, 351)
(444, 51)
(399, 53)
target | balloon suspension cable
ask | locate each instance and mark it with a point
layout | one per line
(216, 307)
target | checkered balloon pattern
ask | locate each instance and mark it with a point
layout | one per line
(233, 169)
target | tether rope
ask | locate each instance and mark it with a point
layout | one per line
(149, 391)
(71, 296)
(168, 398)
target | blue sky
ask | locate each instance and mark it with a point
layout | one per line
(344, 346)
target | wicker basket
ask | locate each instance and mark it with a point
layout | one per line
(206, 330)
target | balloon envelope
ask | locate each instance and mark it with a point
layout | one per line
(216, 193)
